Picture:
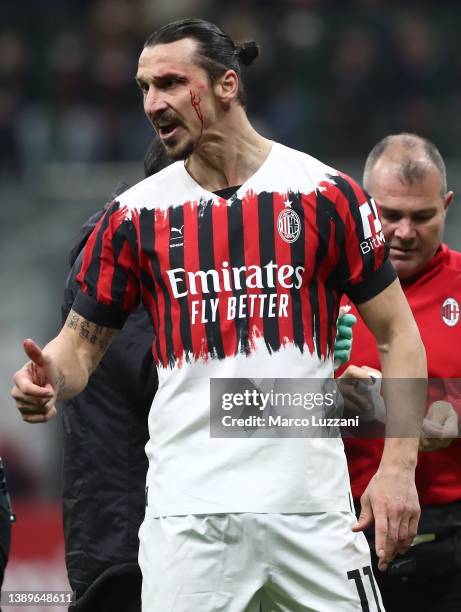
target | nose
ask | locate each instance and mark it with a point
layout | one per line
(404, 230)
(154, 104)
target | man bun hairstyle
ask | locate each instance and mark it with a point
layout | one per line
(247, 52)
(216, 51)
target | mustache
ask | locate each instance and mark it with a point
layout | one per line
(166, 117)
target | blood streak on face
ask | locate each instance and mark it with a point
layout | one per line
(195, 101)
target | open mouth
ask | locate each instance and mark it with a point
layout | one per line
(167, 130)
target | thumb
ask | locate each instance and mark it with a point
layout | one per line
(34, 352)
(366, 516)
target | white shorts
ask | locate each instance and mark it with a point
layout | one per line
(234, 562)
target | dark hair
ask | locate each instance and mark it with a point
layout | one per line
(216, 51)
(411, 168)
(155, 158)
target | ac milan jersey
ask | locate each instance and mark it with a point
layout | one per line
(434, 296)
(247, 287)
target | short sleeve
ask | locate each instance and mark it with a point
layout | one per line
(364, 269)
(109, 276)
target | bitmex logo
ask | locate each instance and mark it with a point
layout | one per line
(372, 229)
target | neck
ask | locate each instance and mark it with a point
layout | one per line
(228, 154)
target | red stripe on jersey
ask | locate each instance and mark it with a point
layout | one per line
(107, 263)
(311, 240)
(192, 264)
(221, 255)
(282, 258)
(351, 238)
(88, 253)
(162, 251)
(126, 261)
(252, 258)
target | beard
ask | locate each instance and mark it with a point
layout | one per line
(178, 152)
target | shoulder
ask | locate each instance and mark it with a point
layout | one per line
(299, 170)
(166, 188)
(307, 174)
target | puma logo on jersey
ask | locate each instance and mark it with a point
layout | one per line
(177, 238)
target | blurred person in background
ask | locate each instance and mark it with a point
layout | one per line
(406, 175)
(213, 502)
(6, 518)
(105, 431)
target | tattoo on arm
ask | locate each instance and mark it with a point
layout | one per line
(94, 334)
(61, 382)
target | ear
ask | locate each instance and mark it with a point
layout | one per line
(448, 199)
(226, 87)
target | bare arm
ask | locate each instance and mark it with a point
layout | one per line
(391, 496)
(61, 370)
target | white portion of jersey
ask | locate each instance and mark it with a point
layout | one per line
(283, 170)
(191, 473)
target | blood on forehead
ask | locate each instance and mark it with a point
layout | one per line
(195, 100)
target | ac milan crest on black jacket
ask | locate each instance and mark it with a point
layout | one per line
(105, 431)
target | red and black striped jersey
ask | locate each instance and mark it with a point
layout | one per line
(215, 274)
(242, 287)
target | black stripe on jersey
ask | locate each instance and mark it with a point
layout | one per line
(346, 189)
(206, 256)
(146, 222)
(125, 233)
(237, 260)
(148, 237)
(92, 272)
(177, 261)
(298, 258)
(148, 283)
(267, 256)
(324, 214)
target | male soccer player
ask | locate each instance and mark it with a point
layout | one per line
(406, 174)
(240, 252)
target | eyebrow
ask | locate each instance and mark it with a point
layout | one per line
(159, 78)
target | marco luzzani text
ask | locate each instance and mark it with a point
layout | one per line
(267, 404)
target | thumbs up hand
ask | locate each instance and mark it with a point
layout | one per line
(35, 386)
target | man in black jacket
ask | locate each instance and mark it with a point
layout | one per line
(6, 518)
(105, 431)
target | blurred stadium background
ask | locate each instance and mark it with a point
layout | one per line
(333, 78)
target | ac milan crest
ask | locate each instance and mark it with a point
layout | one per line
(288, 223)
(450, 312)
